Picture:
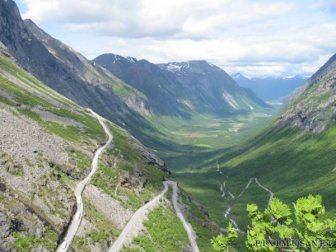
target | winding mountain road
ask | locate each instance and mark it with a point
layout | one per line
(224, 189)
(187, 227)
(77, 218)
(259, 185)
(228, 211)
(131, 229)
(266, 189)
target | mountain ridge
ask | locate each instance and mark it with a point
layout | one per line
(270, 88)
(313, 107)
(82, 82)
(207, 94)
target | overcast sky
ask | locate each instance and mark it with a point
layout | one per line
(253, 37)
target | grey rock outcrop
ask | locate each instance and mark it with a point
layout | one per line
(313, 107)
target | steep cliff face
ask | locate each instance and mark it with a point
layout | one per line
(313, 107)
(66, 71)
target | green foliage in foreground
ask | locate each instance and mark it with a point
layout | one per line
(276, 229)
(222, 242)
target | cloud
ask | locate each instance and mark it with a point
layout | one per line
(151, 18)
(261, 37)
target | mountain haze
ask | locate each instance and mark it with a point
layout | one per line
(194, 86)
(270, 88)
(209, 86)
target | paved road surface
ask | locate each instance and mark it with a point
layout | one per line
(188, 228)
(77, 218)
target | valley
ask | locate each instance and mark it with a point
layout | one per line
(124, 154)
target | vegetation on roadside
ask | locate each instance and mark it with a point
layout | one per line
(102, 230)
(26, 242)
(164, 232)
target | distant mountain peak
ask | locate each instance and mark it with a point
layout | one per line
(271, 87)
(116, 57)
(237, 76)
(131, 59)
(177, 67)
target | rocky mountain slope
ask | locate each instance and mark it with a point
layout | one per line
(314, 107)
(183, 88)
(68, 72)
(270, 88)
(46, 145)
(210, 88)
(161, 88)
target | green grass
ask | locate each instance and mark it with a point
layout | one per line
(105, 179)
(199, 221)
(25, 243)
(206, 130)
(127, 160)
(121, 142)
(289, 162)
(82, 160)
(69, 133)
(92, 129)
(24, 80)
(184, 143)
(20, 95)
(6, 101)
(164, 232)
(104, 230)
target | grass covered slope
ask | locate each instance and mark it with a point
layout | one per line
(46, 146)
(294, 157)
(288, 162)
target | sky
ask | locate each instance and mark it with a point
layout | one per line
(257, 38)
